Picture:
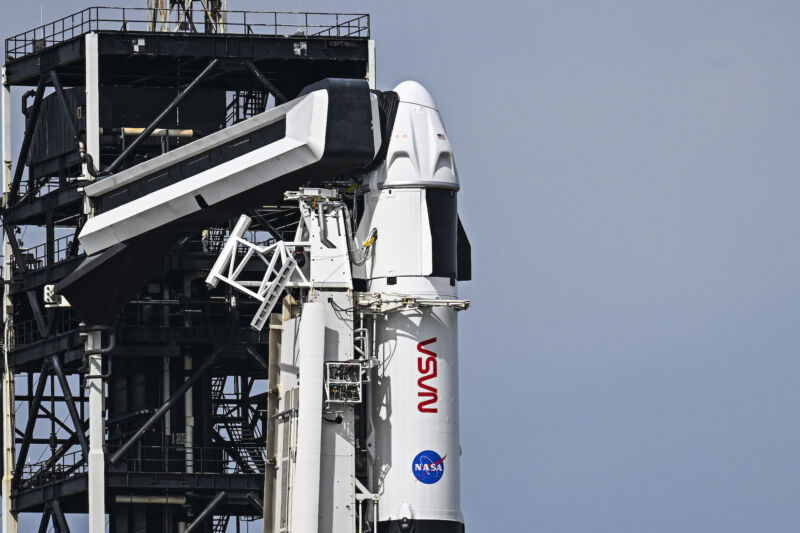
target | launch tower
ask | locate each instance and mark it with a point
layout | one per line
(157, 420)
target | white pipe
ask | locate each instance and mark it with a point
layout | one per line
(9, 520)
(305, 506)
(97, 462)
(92, 100)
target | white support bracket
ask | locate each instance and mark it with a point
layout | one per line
(322, 233)
(362, 495)
(281, 270)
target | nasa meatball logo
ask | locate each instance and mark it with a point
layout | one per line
(428, 467)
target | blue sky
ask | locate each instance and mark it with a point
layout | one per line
(629, 180)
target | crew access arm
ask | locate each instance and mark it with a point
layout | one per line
(332, 128)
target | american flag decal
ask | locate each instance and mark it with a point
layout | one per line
(441, 136)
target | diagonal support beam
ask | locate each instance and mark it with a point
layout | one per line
(30, 128)
(268, 85)
(45, 520)
(179, 392)
(233, 452)
(255, 501)
(58, 517)
(268, 225)
(198, 522)
(34, 410)
(169, 109)
(41, 323)
(70, 401)
(62, 451)
(57, 420)
(256, 357)
(62, 100)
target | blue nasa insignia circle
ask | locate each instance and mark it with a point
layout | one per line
(428, 467)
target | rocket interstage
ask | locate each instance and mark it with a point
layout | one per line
(411, 203)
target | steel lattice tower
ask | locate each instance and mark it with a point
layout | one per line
(155, 421)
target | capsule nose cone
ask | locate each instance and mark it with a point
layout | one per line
(412, 92)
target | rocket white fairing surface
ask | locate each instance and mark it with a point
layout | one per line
(412, 204)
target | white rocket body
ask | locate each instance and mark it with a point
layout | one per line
(414, 409)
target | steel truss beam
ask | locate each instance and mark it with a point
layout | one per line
(62, 99)
(45, 520)
(58, 517)
(259, 218)
(256, 357)
(179, 392)
(263, 80)
(255, 501)
(30, 128)
(41, 323)
(32, 412)
(198, 522)
(80, 433)
(154, 124)
(62, 451)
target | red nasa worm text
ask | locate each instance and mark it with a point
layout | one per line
(427, 366)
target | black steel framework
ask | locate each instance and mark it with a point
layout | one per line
(262, 59)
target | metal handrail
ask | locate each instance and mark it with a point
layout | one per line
(37, 257)
(153, 459)
(134, 19)
(211, 459)
(26, 332)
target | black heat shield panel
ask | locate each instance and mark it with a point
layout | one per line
(443, 222)
(464, 252)
(102, 284)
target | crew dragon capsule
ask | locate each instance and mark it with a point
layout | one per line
(411, 202)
